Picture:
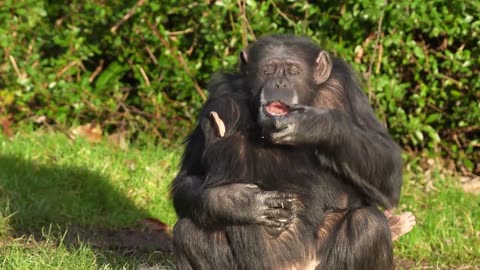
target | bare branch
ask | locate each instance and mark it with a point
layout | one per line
(127, 16)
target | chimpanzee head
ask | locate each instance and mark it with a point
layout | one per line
(282, 71)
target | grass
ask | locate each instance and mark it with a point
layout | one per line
(54, 193)
(52, 189)
(448, 233)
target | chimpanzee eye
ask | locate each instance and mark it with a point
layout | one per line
(269, 70)
(293, 70)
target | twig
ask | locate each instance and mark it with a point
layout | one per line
(282, 14)
(245, 24)
(377, 40)
(67, 67)
(361, 49)
(248, 25)
(145, 77)
(97, 71)
(380, 56)
(127, 16)
(192, 47)
(20, 75)
(152, 56)
(457, 141)
(241, 6)
(452, 132)
(250, 29)
(181, 32)
(435, 108)
(446, 77)
(178, 55)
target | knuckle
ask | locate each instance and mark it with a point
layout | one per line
(261, 219)
(276, 224)
(251, 186)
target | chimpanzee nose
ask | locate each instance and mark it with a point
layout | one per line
(281, 84)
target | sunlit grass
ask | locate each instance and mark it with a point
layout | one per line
(50, 185)
(448, 232)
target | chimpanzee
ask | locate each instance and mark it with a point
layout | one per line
(287, 168)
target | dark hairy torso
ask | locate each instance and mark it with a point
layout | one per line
(252, 160)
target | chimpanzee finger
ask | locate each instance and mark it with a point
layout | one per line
(275, 231)
(279, 195)
(284, 122)
(285, 195)
(299, 108)
(282, 137)
(278, 214)
(251, 186)
(273, 223)
(304, 108)
(278, 203)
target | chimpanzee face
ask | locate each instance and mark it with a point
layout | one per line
(280, 77)
(284, 83)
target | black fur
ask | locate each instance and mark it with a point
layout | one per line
(256, 200)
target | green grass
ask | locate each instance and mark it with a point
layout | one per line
(51, 188)
(448, 232)
(54, 191)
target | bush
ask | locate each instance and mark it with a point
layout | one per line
(143, 67)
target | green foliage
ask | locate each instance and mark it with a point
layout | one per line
(142, 66)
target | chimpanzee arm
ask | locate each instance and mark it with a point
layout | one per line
(358, 148)
(226, 201)
(231, 204)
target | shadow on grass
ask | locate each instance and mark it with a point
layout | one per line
(82, 206)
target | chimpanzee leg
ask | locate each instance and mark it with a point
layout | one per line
(198, 249)
(356, 239)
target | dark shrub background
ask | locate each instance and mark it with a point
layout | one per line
(142, 66)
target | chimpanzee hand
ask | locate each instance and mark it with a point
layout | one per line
(248, 204)
(305, 125)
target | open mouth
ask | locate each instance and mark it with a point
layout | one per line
(277, 108)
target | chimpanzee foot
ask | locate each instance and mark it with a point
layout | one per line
(400, 224)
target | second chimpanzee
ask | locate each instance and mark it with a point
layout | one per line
(290, 170)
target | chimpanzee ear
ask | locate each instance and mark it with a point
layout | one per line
(243, 59)
(323, 68)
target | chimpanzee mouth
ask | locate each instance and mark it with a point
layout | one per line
(277, 108)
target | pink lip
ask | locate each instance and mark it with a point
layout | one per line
(277, 108)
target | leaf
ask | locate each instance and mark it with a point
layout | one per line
(419, 135)
(433, 117)
(418, 52)
(110, 76)
(468, 163)
(432, 134)
(456, 93)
